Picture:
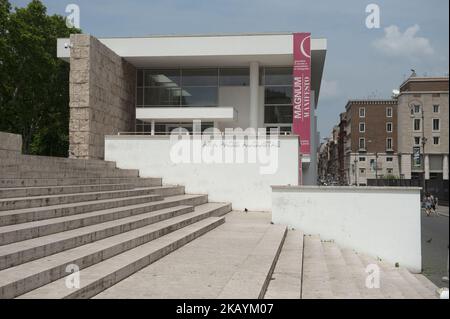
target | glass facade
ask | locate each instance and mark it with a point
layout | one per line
(186, 87)
(199, 87)
(277, 82)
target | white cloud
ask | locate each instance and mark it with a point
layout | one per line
(407, 44)
(329, 90)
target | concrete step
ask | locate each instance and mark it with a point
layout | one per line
(423, 290)
(101, 276)
(24, 231)
(286, 281)
(428, 284)
(358, 271)
(43, 167)
(316, 281)
(394, 275)
(45, 182)
(23, 278)
(388, 285)
(26, 215)
(50, 200)
(70, 174)
(137, 216)
(11, 158)
(59, 190)
(341, 280)
(252, 278)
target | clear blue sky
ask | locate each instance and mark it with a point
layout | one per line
(360, 62)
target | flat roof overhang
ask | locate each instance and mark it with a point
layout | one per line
(211, 51)
(186, 114)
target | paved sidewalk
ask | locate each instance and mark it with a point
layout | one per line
(435, 241)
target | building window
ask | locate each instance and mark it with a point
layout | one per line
(277, 95)
(436, 140)
(362, 170)
(362, 127)
(234, 77)
(436, 108)
(389, 112)
(277, 76)
(389, 143)
(362, 112)
(416, 140)
(389, 159)
(373, 165)
(362, 143)
(416, 108)
(417, 124)
(389, 127)
(177, 87)
(436, 125)
(362, 159)
(278, 114)
(390, 170)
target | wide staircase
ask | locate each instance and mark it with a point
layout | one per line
(59, 215)
(310, 268)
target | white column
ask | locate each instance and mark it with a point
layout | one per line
(152, 128)
(196, 127)
(445, 167)
(254, 89)
(427, 167)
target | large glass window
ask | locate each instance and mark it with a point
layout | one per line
(199, 96)
(279, 114)
(277, 83)
(165, 78)
(278, 76)
(156, 96)
(186, 87)
(278, 95)
(234, 77)
(177, 87)
(200, 77)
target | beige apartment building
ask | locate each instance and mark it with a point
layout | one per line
(423, 136)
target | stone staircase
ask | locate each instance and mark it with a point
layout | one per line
(310, 268)
(56, 213)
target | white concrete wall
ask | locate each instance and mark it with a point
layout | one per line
(382, 222)
(241, 184)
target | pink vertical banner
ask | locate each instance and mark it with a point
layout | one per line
(301, 95)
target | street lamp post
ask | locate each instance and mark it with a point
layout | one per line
(376, 167)
(356, 171)
(424, 141)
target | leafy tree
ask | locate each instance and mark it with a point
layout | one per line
(34, 83)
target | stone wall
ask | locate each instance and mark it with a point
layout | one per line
(10, 142)
(102, 96)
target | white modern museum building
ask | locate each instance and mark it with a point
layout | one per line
(128, 94)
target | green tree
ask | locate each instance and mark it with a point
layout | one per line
(34, 83)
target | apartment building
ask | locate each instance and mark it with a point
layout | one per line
(423, 134)
(371, 140)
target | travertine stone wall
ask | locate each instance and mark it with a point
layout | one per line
(102, 96)
(10, 142)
